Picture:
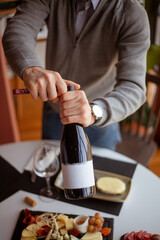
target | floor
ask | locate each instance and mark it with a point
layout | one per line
(154, 165)
(29, 114)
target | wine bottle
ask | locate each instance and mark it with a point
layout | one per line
(76, 162)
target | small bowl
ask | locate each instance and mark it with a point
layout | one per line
(81, 223)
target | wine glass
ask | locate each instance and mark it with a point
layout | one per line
(46, 165)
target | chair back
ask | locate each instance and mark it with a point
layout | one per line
(139, 129)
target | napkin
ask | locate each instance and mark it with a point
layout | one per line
(10, 179)
(29, 165)
(46, 161)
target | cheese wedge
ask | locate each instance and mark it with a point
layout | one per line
(92, 236)
(32, 227)
(28, 234)
(111, 185)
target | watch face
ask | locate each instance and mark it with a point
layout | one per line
(97, 111)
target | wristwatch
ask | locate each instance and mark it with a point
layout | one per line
(96, 112)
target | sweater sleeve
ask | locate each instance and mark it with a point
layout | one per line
(133, 43)
(20, 36)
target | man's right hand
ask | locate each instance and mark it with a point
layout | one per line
(48, 85)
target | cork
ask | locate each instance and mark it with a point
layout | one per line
(30, 201)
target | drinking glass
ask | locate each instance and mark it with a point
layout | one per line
(46, 165)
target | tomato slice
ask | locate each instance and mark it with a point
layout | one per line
(27, 212)
(74, 232)
(41, 232)
(105, 231)
(29, 220)
(46, 228)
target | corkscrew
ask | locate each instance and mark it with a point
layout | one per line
(20, 91)
(25, 91)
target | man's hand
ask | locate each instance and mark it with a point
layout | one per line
(75, 108)
(48, 85)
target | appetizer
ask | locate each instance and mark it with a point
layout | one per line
(49, 226)
(141, 235)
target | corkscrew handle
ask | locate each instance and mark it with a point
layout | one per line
(25, 91)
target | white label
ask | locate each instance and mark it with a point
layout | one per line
(78, 175)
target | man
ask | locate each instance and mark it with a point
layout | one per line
(99, 44)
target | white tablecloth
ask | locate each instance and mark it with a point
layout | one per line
(140, 211)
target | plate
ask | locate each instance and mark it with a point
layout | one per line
(99, 195)
(108, 222)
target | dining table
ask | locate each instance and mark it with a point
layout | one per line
(139, 211)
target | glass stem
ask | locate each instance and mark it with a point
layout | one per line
(49, 192)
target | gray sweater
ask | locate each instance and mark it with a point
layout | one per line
(108, 59)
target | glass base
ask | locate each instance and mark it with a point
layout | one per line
(47, 195)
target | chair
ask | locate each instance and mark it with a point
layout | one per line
(138, 130)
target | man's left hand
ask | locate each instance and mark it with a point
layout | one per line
(75, 108)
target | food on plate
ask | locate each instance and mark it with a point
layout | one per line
(28, 234)
(64, 223)
(81, 223)
(92, 236)
(106, 231)
(141, 235)
(111, 185)
(49, 226)
(95, 223)
(155, 237)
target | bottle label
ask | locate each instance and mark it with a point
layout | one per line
(78, 175)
